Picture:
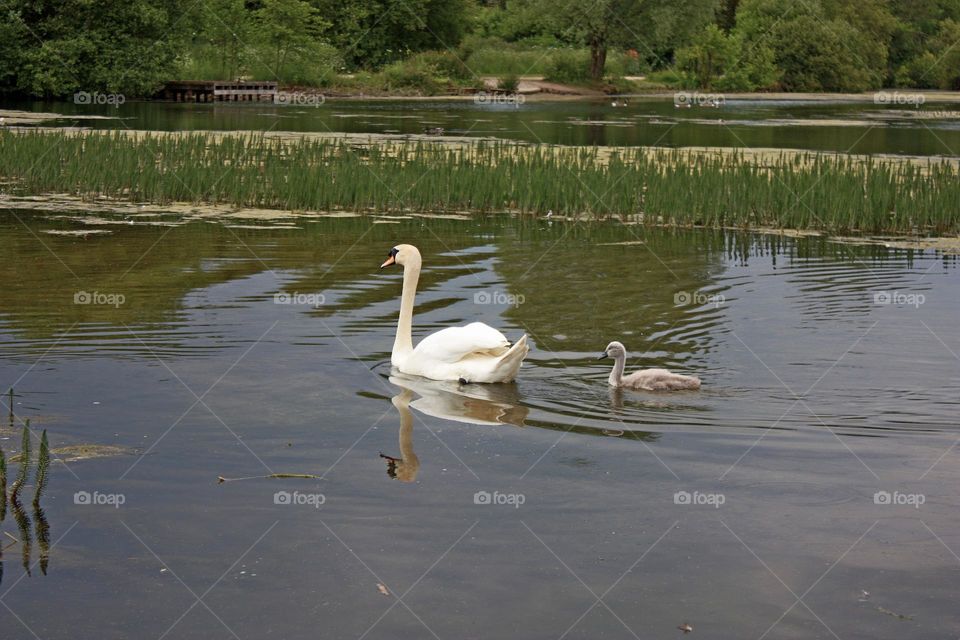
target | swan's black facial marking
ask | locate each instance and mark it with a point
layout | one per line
(391, 258)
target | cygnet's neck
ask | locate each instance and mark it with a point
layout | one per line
(616, 375)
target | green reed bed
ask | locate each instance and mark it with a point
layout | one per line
(796, 190)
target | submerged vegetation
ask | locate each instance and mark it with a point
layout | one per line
(653, 186)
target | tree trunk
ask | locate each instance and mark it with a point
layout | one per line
(598, 58)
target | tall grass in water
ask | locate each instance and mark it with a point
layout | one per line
(3, 486)
(41, 529)
(24, 463)
(655, 186)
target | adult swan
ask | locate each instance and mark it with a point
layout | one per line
(474, 353)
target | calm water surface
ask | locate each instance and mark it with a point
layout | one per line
(816, 396)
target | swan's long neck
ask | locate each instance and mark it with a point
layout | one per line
(616, 375)
(403, 344)
(406, 437)
(409, 463)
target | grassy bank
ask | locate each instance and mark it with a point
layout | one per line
(795, 191)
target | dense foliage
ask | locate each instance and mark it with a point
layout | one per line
(52, 48)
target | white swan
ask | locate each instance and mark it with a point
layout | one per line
(474, 353)
(645, 379)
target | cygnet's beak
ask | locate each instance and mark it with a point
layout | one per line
(603, 355)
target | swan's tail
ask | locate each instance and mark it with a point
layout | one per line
(508, 366)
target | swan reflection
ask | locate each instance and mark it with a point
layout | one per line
(472, 404)
(405, 467)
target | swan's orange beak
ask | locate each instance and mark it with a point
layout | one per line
(389, 261)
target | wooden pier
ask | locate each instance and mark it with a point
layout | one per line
(219, 91)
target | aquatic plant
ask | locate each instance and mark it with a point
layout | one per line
(43, 461)
(23, 526)
(3, 485)
(675, 187)
(41, 530)
(24, 463)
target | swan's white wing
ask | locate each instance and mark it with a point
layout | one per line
(455, 343)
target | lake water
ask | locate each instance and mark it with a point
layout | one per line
(850, 127)
(808, 490)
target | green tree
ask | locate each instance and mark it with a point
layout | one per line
(707, 58)
(917, 23)
(122, 46)
(289, 31)
(812, 51)
(371, 33)
(716, 60)
(13, 34)
(753, 68)
(944, 46)
(727, 14)
(650, 26)
(227, 26)
(871, 29)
